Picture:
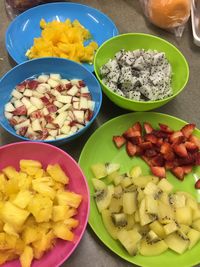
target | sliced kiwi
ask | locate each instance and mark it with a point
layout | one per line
(119, 219)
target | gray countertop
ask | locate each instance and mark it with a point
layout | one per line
(127, 16)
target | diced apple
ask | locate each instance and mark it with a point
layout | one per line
(28, 93)
(80, 126)
(60, 119)
(36, 125)
(43, 78)
(18, 103)
(50, 138)
(30, 131)
(73, 129)
(51, 126)
(42, 88)
(55, 76)
(84, 90)
(9, 107)
(73, 91)
(17, 94)
(53, 132)
(65, 129)
(66, 99)
(45, 111)
(71, 115)
(43, 122)
(64, 108)
(12, 100)
(53, 83)
(37, 102)
(75, 81)
(76, 105)
(55, 92)
(79, 115)
(75, 99)
(64, 81)
(26, 102)
(58, 104)
(25, 123)
(31, 110)
(37, 94)
(8, 115)
(60, 136)
(91, 104)
(83, 103)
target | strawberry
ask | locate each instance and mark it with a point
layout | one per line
(195, 140)
(151, 138)
(128, 133)
(148, 128)
(150, 153)
(20, 111)
(146, 145)
(146, 159)
(139, 151)
(176, 137)
(197, 184)
(158, 160)
(187, 169)
(158, 171)
(188, 129)
(197, 158)
(178, 172)
(169, 165)
(180, 150)
(169, 156)
(191, 147)
(165, 128)
(189, 160)
(165, 148)
(160, 134)
(119, 141)
(136, 140)
(159, 142)
(32, 84)
(23, 130)
(131, 149)
(137, 127)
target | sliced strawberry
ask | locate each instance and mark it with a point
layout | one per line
(197, 184)
(139, 151)
(137, 127)
(197, 158)
(60, 88)
(146, 145)
(32, 84)
(165, 148)
(146, 159)
(176, 137)
(169, 165)
(150, 153)
(195, 140)
(187, 169)
(20, 111)
(148, 128)
(136, 140)
(151, 138)
(158, 160)
(45, 100)
(23, 130)
(165, 128)
(188, 129)
(131, 149)
(160, 134)
(129, 133)
(189, 160)
(13, 122)
(178, 172)
(158, 171)
(81, 83)
(191, 147)
(119, 141)
(159, 142)
(180, 150)
(169, 156)
(51, 108)
(68, 86)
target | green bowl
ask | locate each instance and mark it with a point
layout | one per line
(133, 41)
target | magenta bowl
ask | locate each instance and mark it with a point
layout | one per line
(48, 154)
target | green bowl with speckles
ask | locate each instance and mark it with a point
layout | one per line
(133, 41)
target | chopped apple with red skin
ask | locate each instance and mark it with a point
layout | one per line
(83, 103)
(64, 108)
(64, 99)
(8, 115)
(53, 83)
(36, 125)
(43, 78)
(73, 91)
(76, 105)
(79, 115)
(25, 123)
(58, 104)
(18, 103)
(16, 94)
(9, 107)
(41, 89)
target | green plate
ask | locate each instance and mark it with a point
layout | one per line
(100, 148)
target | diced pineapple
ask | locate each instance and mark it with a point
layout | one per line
(71, 223)
(9, 229)
(99, 170)
(25, 163)
(68, 198)
(10, 172)
(31, 234)
(13, 215)
(43, 189)
(56, 172)
(59, 212)
(7, 241)
(39, 174)
(130, 202)
(26, 257)
(12, 186)
(2, 183)
(22, 199)
(61, 231)
(19, 247)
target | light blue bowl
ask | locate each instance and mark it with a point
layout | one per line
(68, 70)
(25, 27)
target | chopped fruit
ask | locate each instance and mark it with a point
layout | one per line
(188, 129)
(119, 141)
(47, 101)
(131, 149)
(148, 128)
(178, 172)
(165, 128)
(137, 127)
(180, 150)
(176, 137)
(129, 133)
(158, 171)
(197, 184)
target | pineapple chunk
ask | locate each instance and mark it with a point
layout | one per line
(7, 241)
(31, 234)
(9, 229)
(22, 199)
(26, 257)
(12, 186)
(69, 198)
(19, 247)
(24, 163)
(2, 183)
(41, 208)
(43, 188)
(61, 231)
(10, 172)
(59, 213)
(57, 174)
(71, 223)
(13, 215)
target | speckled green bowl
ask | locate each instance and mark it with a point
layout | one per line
(133, 41)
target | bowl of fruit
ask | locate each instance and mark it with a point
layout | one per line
(49, 199)
(49, 99)
(140, 71)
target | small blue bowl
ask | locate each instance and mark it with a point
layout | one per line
(25, 27)
(66, 68)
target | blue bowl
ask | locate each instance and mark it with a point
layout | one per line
(25, 27)
(68, 70)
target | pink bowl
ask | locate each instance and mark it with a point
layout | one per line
(48, 154)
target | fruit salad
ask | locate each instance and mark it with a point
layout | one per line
(143, 212)
(49, 107)
(162, 149)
